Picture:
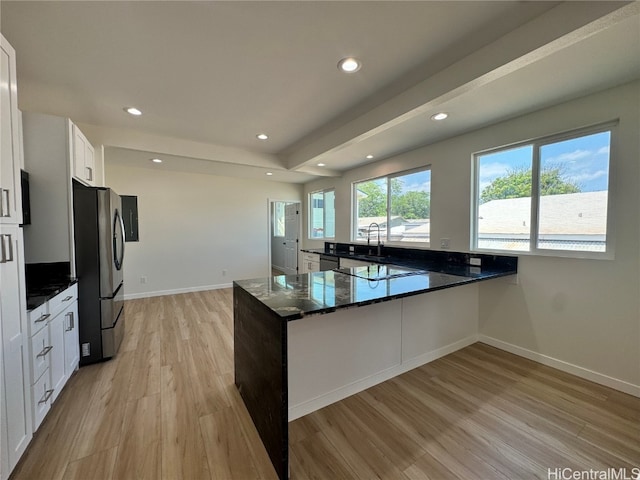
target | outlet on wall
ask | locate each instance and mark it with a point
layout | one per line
(445, 243)
(143, 279)
(224, 272)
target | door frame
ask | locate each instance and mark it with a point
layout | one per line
(270, 202)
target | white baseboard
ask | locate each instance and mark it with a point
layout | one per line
(415, 362)
(302, 409)
(159, 293)
(567, 367)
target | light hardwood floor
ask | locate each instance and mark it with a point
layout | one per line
(166, 408)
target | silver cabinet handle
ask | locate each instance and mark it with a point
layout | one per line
(45, 351)
(10, 259)
(68, 298)
(5, 194)
(47, 396)
(90, 173)
(5, 258)
(43, 317)
(71, 322)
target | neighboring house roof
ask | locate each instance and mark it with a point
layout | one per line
(417, 228)
(569, 214)
(364, 222)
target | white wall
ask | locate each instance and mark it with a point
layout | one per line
(580, 313)
(194, 226)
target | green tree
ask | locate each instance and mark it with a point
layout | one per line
(374, 201)
(412, 205)
(517, 183)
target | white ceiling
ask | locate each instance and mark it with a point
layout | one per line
(211, 75)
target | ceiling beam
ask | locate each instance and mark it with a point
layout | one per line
(560, 27)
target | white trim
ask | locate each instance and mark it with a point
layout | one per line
(302, 409)
(159, 293)
(567, 367)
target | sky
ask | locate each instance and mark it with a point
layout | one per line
(583, 160)
(418, 181)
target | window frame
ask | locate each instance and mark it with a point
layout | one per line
(324, 192)
(537, 144)
(389, 177)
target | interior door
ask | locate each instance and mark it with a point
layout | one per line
(291, 229)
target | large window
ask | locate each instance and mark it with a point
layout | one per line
(322, 214)
(549, 196)
(399, 204)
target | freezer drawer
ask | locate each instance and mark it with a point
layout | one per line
(110, 308)
(112, 337)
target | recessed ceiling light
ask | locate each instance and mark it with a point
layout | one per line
(156, 160)
(349, 65)
(369, 157)
(133, 111)
(321, 164)
(262, 136)
(269, 174)
(439, 116)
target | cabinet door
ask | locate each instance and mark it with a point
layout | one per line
(84, 163)
(89, 164)
(10, 197)
(79, 153)
(56, 356)
(4, 451)
(41, 394)
(17, 391)
(71, 340)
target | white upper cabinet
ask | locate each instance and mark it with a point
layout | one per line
(10, 197)
(84, 164)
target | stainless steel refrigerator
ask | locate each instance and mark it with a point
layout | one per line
(99, 248)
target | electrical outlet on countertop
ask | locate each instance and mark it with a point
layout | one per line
(475, 261)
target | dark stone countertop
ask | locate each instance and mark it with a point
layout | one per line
(295, 296)
(37, 295)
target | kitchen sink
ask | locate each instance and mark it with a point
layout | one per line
(380, 272)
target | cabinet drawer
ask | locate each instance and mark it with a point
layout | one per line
(38, 318)
(61, 301)
(311, 257)
(40, 354)
(41, 399)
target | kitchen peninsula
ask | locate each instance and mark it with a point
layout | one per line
(302, 342)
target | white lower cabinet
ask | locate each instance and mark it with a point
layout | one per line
(310, 263)
(71, 339)
(41, 392)
(54, 350)
(56, 359)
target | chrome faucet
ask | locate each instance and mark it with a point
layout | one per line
(379, 250)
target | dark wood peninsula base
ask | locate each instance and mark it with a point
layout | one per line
(260, 355)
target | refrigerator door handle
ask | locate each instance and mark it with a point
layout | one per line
(118, 259)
